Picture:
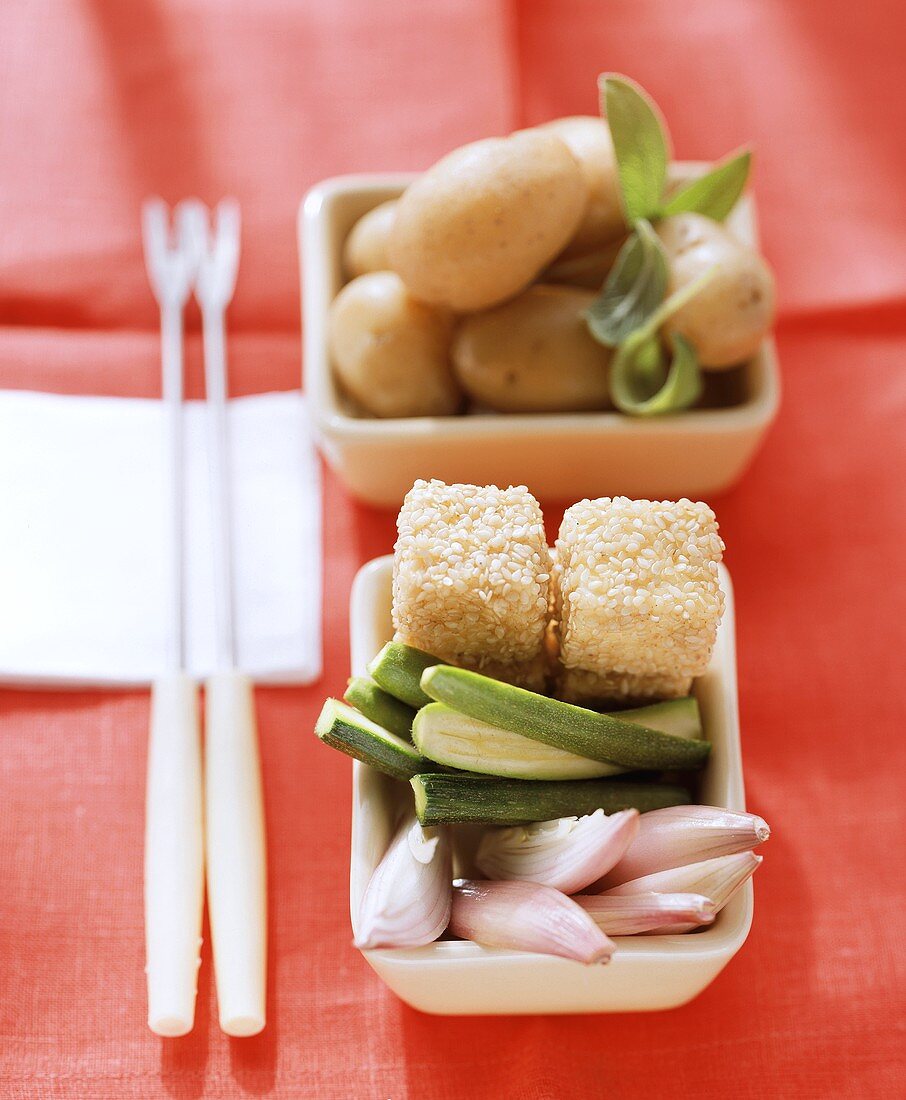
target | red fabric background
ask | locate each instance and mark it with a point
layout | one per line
(102, 103)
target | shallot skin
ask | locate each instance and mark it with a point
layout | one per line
(717, 879)
(635, 914)
(679, 835)
(407, 901)
(568, 853)
(526, 916)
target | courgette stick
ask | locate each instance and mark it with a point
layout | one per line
(447, 737)
(448, 799)
(602, 737)
(345, 729)
(681, 717)
(380, 706)
(398, 670)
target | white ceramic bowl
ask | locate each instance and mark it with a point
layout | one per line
(454, 977)
(565, 456)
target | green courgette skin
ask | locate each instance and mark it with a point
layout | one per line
(340, 727)
(584, 732)
(448, 799)
(398, 670)
(380, 706)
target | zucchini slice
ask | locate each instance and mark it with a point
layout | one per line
(398, 670)
(345, 729)
(449, 799)
(380, 706)
(450, 738)
(680, 717)
(603, 737)
(447, 737)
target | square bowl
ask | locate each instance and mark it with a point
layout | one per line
(457, 977)
(694, 453)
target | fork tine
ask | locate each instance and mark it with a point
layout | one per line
(170, 259)
(218, 261)
(191, 218)
(227, 229)
(154, 239)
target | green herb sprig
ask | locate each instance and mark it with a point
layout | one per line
(715, 193)
(633, 290)
(628, 312)
(641, 145)
(642, 358)
(642, 381)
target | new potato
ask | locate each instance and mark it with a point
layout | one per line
(365, 249)
(480, 225)
(390, 352)
(533, 354)
(588, 139)
(727, 320)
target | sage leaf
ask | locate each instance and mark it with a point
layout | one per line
(632, 389)
(714, 194)
(634, 289)
(649, 364)
(639, 143)
(641, 382)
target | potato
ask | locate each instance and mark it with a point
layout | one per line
(727, 320)
(365, 249)
(480, 225)
(533, 354)
(588, 139)
(390, 352)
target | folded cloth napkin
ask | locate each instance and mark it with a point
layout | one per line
(85, 591)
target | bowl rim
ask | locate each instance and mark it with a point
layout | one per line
(319, 256)
(718, 942)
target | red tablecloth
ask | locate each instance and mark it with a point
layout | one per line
(102, 103)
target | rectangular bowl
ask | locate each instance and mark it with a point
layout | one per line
(694, 453)
(454, 977)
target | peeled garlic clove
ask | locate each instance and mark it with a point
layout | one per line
(407, 901)
(568, 853)
(718, 879)
(526, 916)
(634, 913)
(679, 835)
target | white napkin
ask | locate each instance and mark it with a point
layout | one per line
(84, 561)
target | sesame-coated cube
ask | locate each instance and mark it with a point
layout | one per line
(637, 596)
(471, 578)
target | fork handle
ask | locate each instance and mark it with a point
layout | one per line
(236, 863)
(174, 855)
